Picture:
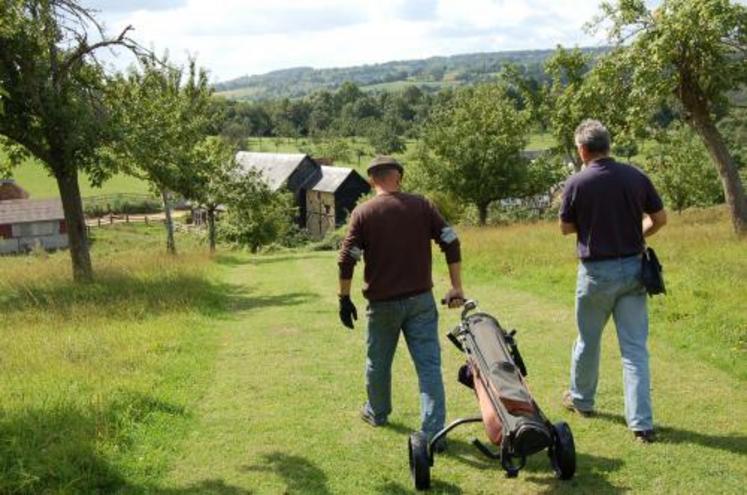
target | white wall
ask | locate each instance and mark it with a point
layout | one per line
(27, 235)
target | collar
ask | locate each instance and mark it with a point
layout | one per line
(601, 161)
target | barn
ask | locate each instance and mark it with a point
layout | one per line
(332, 198)
(25, 223)
(324, 194)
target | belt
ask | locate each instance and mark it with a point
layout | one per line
(406, 295)
(609, 258)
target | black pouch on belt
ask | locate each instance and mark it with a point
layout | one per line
(651, 273)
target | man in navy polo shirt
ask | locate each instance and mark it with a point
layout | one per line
(611, 207)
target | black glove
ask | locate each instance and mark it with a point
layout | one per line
(348, 313)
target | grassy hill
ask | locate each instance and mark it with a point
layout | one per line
(430, 74)
(232, 375)
(33, 176)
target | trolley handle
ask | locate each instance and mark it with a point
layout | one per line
(466, 304)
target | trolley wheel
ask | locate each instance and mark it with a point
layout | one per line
(563, 451)
(420, 465)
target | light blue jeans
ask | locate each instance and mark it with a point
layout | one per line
(417, 318)
(612, 288)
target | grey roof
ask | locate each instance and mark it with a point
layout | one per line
(332, 178)
(30, 210)
(275, 167)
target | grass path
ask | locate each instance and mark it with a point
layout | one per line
(280, 413)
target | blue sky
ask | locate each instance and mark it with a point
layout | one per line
(237, 37)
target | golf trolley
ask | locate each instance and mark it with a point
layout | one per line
(513, 420)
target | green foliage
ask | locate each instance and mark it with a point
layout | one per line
(680, 167)
(384, 137)
(472, 147)
(255, 216)
(132, 204)
(684, 53)
(214, 172)
(334, 148)
(682, 45)
(734, 128)
(161, 115)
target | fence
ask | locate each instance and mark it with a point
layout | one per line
(112, 219)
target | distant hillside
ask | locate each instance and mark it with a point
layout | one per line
(430, 74)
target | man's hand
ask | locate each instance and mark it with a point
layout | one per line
(348, 313)
(455, 297)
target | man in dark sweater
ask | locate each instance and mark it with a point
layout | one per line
(393, 232)
(611, 207)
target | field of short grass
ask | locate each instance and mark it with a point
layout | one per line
(33, 177)
(232, 375)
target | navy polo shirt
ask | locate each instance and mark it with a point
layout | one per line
(606, 201)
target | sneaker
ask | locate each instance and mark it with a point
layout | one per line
(369, 418)
(568, 404)
(645, 436)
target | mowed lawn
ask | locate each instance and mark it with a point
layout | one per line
(35, 179)
(234, 376)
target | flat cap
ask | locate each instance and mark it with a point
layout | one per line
(382, 161)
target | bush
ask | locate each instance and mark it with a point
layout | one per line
(331, 241)
(120, 204)
(682, 171)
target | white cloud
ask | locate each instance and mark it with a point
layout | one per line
(235, 37)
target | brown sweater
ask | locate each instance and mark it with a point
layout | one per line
(393, 233)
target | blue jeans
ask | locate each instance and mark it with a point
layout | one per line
(417, 318)
(612, 288)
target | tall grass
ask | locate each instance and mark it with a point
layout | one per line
(96, 379)
(705, 269)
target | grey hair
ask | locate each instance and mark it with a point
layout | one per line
(593, 136)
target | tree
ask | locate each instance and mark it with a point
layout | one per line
(255, 215)
(678, 164)
(216, 173)
(563, 103)
(334, 148)
(691, 52)
(477, 138)
(53, 100)
(162, 116)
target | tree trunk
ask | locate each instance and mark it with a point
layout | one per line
(170, 244)
(75, 221)
(702, 123)
(482, 210)
(211, 228)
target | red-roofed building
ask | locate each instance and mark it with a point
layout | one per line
(25, 223)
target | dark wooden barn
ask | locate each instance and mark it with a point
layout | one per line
(325, 195)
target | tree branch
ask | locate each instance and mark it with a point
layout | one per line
(85, 49)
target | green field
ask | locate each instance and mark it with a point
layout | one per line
(33, 177)
(232, 375)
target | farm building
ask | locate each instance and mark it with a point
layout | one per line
(324, 194)
(25, 222)
(332, 198)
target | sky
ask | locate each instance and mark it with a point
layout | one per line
(232, 38)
